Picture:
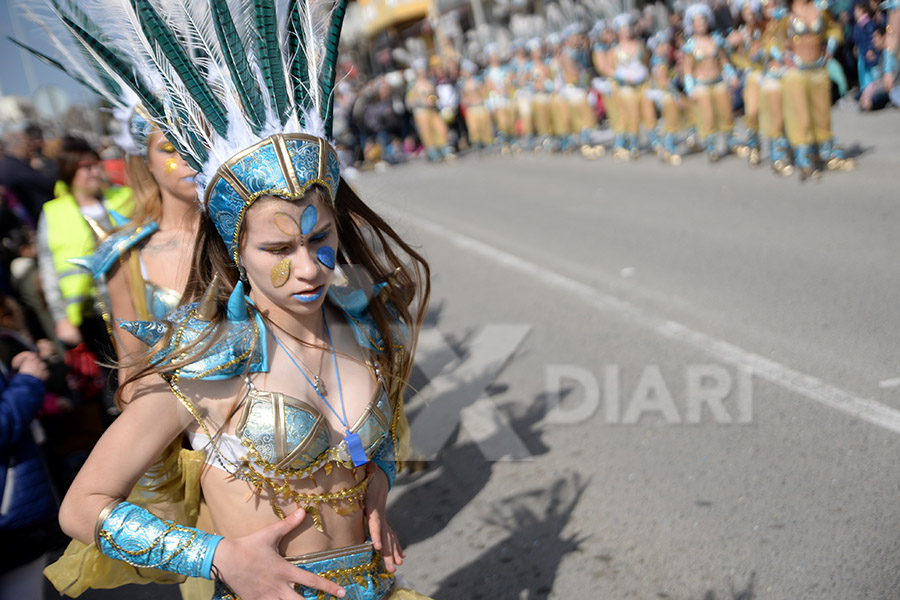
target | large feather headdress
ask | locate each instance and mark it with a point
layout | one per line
(242, 88)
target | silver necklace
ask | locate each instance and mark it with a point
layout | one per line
(317, 382)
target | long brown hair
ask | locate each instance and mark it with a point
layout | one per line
(367, 243)
(144, 191)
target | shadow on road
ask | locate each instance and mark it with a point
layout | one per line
(525, 562)
(746, 594)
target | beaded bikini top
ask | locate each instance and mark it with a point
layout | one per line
(279, 438)
(285, 436)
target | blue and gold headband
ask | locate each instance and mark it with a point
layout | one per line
(251, 112)
(283, 165)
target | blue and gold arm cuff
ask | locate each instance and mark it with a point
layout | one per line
(385, 460)
(831, 45)
(136, 536)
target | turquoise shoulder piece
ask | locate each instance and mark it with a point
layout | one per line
(114, 247)
(354, 303)
(688, 47)
(236, 348)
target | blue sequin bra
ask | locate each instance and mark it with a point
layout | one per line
(284, 436)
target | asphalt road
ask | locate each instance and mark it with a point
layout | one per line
(728, 418)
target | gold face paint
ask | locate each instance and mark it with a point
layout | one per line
(171, 166)
(281, 272)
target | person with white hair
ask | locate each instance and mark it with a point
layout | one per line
(707, 69)
(629, 67)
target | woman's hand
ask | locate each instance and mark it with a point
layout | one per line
(383, 537)
(252, 567)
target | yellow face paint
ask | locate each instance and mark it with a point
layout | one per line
(281, 272)
(171, 166)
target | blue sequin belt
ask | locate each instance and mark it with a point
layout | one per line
(359, 569)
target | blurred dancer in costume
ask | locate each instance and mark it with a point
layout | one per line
(666, 96)
(706, 76)
(560, 110)
(522, 94)
(478, 119)
(629, 68)
(541, 84)
(812, 37)
(497, 84)
(771, 90)
(422, 100)
(575, 68)
(749, 55)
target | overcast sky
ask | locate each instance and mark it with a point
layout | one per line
(20, 73)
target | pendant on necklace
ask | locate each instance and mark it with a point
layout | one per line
(320, 387)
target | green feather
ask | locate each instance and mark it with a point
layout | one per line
(56, 64)
(125, 71)
(85, 22)
(329, 68)
(238, 65)
(159, 34)
(270, 56)
(299, 68)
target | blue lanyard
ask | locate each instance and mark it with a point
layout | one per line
(343, 420)
(352, 440)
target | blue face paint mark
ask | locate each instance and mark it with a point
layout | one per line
(308, 219)
(326, 256)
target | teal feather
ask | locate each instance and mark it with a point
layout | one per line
(125, 71)
(159, 34)
(299, 68)
(54, 63)
(89, 26)
(236, 60)
(270, 56)
(329, 68)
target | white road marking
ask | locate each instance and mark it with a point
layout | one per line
(808, 386)
(886, 384)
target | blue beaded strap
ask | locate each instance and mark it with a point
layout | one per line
(136, 536)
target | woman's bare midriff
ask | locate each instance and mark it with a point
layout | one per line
(808, 48)
(236, 510)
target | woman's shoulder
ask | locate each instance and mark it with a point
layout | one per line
(127, 236)
(193, 342)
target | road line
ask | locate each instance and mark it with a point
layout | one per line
(808, 386)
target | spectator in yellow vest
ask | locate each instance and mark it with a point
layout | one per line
(84, 209)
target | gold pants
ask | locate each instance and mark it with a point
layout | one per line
(752, 105)
(431, 127)
(581, 114)
(503, 114)
(478, 122)
(771, 113)
(712, 104)
(671, 113)
(634, 108)
(540, 111)
(807, 106)
(523, 112)
(560, 117)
